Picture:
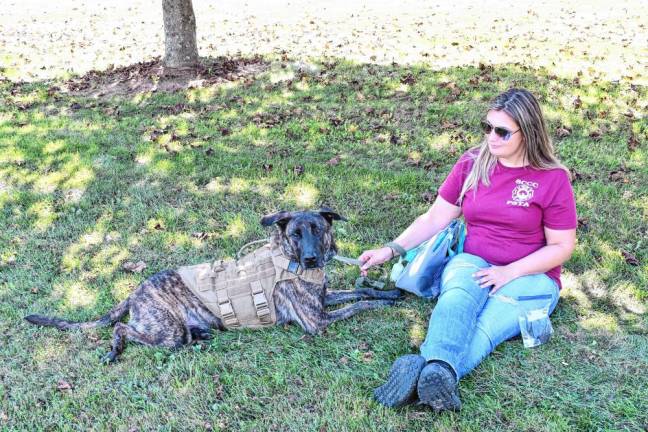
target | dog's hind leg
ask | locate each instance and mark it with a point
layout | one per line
(120, 335)
(126, 332)
(339, 297)
(199, 333)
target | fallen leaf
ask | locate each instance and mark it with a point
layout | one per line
(577, 103)
(298, 170)
(583, 224)
(563, 131)
(267, 167)
(368, 356)
(408, 79)
(595, 135)
(34, 290)
(429, 166)
(334, 161)
(199, 235)
(336, 121)
(137, 267)
(633, 143)
(428, 197)
(63, 385)
(391, 196)
(629, 258)
(344, 360)
(618, 176)
(413, 161)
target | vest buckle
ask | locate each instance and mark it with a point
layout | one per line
(260, 301)
(227, 313)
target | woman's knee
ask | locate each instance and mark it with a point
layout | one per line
(458, 274)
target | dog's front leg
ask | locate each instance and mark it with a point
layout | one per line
(348, 311)
(339, 297)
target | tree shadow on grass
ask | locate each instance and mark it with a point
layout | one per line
(288, 131)
(178, 178)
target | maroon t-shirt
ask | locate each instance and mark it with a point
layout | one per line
(505, 220)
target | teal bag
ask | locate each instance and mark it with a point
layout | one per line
(419, 271)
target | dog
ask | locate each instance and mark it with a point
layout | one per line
(165, 311)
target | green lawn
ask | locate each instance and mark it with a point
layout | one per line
(170, 179)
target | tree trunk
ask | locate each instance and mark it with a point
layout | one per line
(181, 50)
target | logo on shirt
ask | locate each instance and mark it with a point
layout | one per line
(522, 193)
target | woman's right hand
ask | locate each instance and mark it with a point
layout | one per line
(374, 257)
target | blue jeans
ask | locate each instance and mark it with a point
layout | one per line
(466, 324)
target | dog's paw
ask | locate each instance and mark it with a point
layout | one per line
(109, 358)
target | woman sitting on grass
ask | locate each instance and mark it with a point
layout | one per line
(519, 208)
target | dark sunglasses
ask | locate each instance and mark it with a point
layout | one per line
(503, 133)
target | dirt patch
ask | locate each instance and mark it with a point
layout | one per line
(151, 76)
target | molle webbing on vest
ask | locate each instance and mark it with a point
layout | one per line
(241, 292)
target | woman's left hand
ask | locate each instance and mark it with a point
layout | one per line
(494, 276)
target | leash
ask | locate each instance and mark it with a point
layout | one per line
(238, 254)
(347, 260)
(361, 282)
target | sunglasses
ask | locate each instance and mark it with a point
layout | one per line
(501, 132)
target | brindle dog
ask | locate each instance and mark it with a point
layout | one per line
(164, 311)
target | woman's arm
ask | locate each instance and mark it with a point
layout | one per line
(560, 245)
(439, 215)
(424, 227)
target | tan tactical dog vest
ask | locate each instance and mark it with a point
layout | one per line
(240, 293)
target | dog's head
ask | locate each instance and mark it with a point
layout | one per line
(306, 236)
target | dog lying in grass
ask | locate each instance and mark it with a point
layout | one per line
(175, 307)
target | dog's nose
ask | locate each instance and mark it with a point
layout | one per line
(310, 261)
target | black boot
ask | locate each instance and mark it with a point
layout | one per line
(400, 387)
(437, 387)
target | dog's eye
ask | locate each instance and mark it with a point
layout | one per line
(296, 234)
(314, 229)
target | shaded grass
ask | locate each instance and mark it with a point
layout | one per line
(170, 179)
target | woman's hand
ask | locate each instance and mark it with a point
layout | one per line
(374, 257)
(494, 276)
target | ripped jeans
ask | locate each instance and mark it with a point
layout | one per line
(466, 324)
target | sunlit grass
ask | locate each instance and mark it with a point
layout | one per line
(302, 195)
(83, 191)
(236, 227)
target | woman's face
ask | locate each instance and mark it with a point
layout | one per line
(510, 152)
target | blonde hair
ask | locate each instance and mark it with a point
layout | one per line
(537, 148)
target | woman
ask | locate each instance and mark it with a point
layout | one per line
(520, 213)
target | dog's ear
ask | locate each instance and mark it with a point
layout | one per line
(330, 215)
(280, 218)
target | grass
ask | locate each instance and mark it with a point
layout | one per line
(172, 179)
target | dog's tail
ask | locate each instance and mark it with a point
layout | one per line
(110, 318)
